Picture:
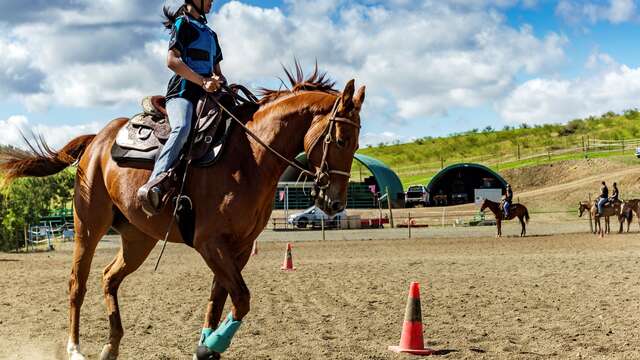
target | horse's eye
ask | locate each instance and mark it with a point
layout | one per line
(341, 143)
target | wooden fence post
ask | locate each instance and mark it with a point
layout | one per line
(26, 243)
(390, 210)
(322, 225)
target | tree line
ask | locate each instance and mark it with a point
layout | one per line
(26, 201)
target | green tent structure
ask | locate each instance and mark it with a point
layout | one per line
(464, 183)
(362, 193)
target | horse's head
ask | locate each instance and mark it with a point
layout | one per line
(485, 204)
(582, 207)
(330, 144)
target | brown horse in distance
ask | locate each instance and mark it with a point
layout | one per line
(516, 211)
(634, 206)
(609, 211)
(232, 200)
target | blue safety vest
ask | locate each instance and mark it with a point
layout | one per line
(200, 54)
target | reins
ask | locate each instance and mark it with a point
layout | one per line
(327, 141)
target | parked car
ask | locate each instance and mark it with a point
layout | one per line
(416, 195)
(313, 216)
(638, 152)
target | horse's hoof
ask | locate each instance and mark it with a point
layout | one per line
(74, 351)
(107, 353)
(75, 355)
(203, 353)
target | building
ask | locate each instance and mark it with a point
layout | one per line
(465, 183)
(370, 180)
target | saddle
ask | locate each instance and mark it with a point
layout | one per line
(139, 142)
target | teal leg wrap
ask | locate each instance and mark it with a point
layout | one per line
(203, 336)
(220, 339)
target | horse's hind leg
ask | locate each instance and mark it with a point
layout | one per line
(136, 246)
(92, 219)
(523, 232)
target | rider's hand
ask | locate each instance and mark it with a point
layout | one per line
(211, 84)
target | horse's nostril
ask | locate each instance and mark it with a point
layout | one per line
(336, 206)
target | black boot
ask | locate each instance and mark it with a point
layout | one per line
(153, 194)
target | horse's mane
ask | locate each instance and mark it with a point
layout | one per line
(315, 82)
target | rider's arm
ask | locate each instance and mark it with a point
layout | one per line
(175, 63)
(218, 72)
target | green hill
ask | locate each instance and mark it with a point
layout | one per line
(512, 147)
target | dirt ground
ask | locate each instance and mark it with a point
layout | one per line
(547, 296)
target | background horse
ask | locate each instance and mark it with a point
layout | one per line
(232, 200)
(634, 206)
(608, 211)
(516, 210)
(626, 214)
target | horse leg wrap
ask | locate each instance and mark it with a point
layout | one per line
(220, 339)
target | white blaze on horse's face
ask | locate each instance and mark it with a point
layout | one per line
(340, 143)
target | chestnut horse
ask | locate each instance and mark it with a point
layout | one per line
(516, 210)
(634, 206)
(609, 210)
(232, 200)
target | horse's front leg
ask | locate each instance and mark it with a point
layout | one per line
(227, 266)
(217, 299)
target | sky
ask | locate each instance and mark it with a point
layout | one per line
(431, 67)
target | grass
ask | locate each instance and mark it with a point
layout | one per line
(419, 161)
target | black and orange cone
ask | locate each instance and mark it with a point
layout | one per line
(411, 340)
(288, 260)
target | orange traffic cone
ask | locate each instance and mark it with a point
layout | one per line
(411, 340)
(254, 251)
(288, 260)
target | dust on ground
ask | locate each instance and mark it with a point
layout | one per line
(549, 296)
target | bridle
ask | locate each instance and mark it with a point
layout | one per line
(323, 173)
(322, 177)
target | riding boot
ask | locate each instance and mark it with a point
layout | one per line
(153, 194)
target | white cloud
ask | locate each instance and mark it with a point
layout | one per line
(385, 137)
(427, 56)
(614, 11)
(614, 87)
(422, 57)
(57, 136)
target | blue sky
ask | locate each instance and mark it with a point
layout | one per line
(431, 67)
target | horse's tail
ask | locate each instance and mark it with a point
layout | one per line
(526, 215)
(40, 160)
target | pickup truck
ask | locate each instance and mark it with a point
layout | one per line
(416, 195)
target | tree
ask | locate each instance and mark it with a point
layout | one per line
(25, 201)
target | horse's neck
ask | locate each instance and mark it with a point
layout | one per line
(495, 207)
(283, 127)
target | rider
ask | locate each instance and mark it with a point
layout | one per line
(508, 199)
(604, 197)
(615, 194)
(194, 56)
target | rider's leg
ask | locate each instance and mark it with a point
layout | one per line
(601, 204)
(180, 113)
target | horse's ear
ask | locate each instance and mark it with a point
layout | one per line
(358, 99)
(346, 100)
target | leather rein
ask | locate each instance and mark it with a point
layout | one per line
(323, 172)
